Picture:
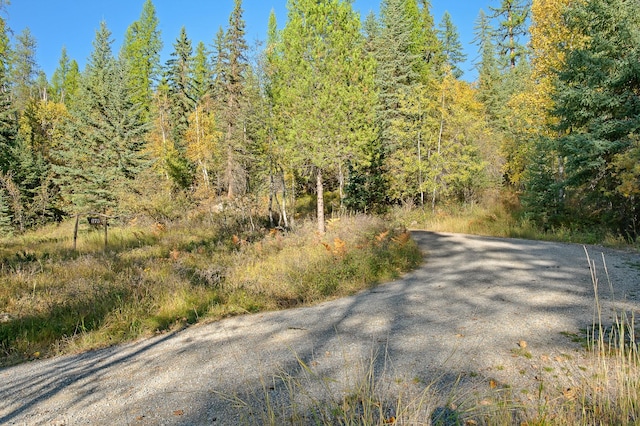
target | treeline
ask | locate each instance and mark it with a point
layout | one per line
(373, 110)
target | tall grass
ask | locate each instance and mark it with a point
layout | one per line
(604, 391)
(154, 277)
(498, 215)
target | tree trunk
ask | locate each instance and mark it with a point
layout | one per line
(320, 204)
(272, 189)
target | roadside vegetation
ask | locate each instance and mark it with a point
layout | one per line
(598, 384)
(154, 277)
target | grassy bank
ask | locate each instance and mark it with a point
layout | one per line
(499, 215)
(155, 277)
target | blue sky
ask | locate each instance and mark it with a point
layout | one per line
(72, 23)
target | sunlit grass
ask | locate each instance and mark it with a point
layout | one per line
(155, 277)
(498, 215)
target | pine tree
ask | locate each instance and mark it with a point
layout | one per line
(24, 70)
(513, 22)
(101, 153)
(8, 113)
(232, 80)
(451, 46)
(141, 49)
(323, 102)
(65, 80)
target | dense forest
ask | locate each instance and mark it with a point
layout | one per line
(364, 113)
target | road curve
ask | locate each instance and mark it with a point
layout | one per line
(459, 317)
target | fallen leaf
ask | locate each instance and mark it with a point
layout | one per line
(492, 384)
(178, 412)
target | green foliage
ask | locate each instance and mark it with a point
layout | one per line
(102, 149)
(141, 50)
(6, 225)
(179, 76)
(451, 46)
(597, 107)
(23, 69)
(323, 103)
(513, 21)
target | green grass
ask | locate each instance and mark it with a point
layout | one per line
(156, 277)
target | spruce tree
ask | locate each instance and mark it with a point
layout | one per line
(65, 80)
(489, 80)
(202, 73)
(512, 28)
(6, 226)
(232, 78)
(596, 103)
(451, 46)
(24, 70)
(398, 64)
(180, 81)
(101, 153)
(8, 113)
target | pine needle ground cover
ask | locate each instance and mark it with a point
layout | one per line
(159, 277)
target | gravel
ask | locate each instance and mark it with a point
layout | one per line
(479, 310)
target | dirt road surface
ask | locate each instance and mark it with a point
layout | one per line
(456, 322)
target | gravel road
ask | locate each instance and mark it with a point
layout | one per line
(455, 321)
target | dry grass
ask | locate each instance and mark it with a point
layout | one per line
(160, 276)
(605, 391)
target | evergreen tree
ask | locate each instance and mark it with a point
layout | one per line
(141, 49)
(427, 44)
(6, 226)
(597, 105)
(513, 22)
(202, 73)
(101, 152)
(324, 100)
(181, 87)
(232, 79)
(8, 113)
(24, 70)
(182, 103)
(451, 46)
(65, 80)
(397, 64)
(489, 78)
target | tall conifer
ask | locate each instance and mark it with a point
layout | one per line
(101, 153)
